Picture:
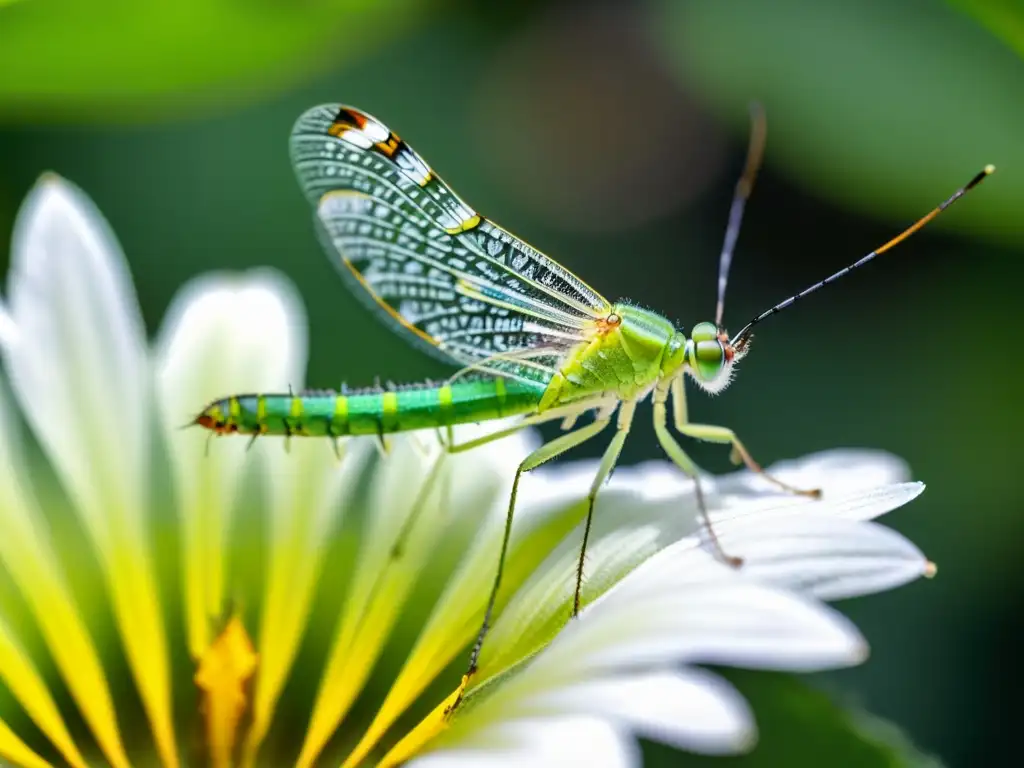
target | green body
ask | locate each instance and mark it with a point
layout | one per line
(329, 414)
(621, 361)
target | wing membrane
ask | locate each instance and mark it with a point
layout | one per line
(458, 283)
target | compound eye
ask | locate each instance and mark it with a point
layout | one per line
(704, 332)
(708, 359)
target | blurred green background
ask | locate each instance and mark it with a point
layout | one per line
(610, 136)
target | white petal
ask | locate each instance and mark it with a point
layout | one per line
(689, 708)
(862, 504)
(648, 507)
(222, 336)
(27, 555)
(626, 531)
(554, 742)
(822, 556)
(612, 663)
(79, 369)
(837, 473)
(736, 623)
(226, 334)
(8, 328)
(78, 365)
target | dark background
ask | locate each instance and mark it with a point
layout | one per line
(609, 135)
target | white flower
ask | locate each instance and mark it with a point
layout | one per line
(274, 573)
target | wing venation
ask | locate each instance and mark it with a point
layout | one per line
(467, 289)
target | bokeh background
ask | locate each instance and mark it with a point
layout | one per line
(610, 135)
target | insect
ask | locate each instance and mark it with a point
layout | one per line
(531, 338)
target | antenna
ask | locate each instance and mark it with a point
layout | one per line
(741, 338)
(755, 153)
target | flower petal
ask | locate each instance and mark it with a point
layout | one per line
(309, 490)
(222, 336)
(822, 556)
(688, 709)
(405, 488)
(727, 621)
(414, 482)
(642, 510)
(28, 556)
(539, 743)
(14, 749)
(837, 472)
(660, 616)
(27, 686)
(548, 509)
(71, 300)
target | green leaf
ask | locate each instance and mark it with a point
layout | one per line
(799, 726)
(1003, 18)
(883, 107)
(113, 58)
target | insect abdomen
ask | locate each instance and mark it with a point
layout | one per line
(376, 412)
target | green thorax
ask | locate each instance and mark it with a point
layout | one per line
(624, 357)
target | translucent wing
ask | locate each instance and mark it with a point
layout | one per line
(460, 284)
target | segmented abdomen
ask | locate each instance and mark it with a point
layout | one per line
(376, 412)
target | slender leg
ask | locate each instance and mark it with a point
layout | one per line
(431, 479)
(417, 507)
(685, 463)
(545, 453)
(449, 447)
(611, 455)
(725, 436)
(529, 421)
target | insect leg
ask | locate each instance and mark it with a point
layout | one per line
(529, 421)
(545, 453)
(611, 455)
(449, 448)
(418, 505)
(685, 463)
(725, 436)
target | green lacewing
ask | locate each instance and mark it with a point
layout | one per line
(530, 338)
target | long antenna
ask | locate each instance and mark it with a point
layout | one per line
(740, 339)
(755, 153)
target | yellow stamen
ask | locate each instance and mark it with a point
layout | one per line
(223, 672)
